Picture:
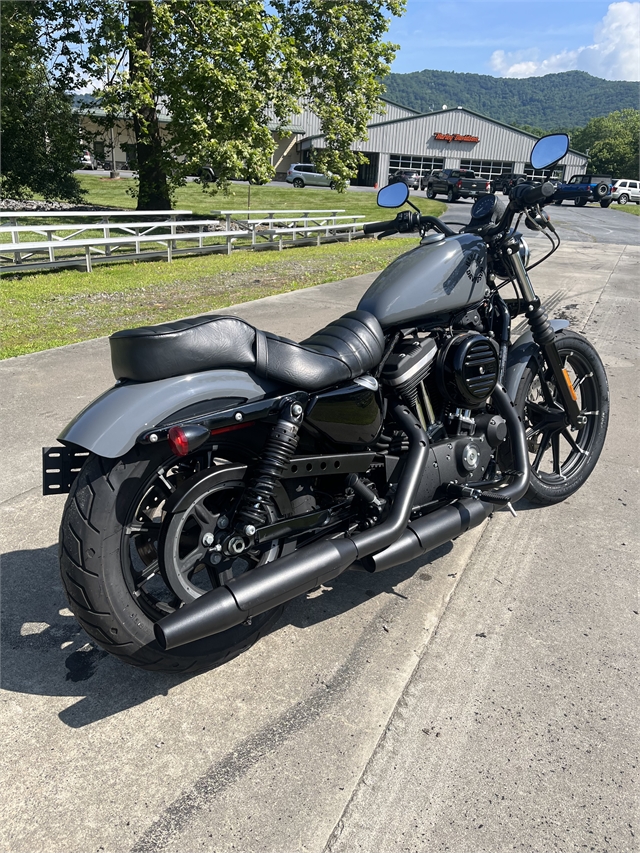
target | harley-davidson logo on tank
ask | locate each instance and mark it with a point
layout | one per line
(455, 137)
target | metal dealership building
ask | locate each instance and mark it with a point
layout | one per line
(455, 138)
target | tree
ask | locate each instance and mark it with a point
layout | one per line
(227, 74)
(40, 144)
(613, 144)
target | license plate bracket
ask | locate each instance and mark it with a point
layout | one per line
(60, 466)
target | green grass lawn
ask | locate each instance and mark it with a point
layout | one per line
(633, 209)
(52, 308)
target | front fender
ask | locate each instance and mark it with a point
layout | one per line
(110, 424)
(520, 353)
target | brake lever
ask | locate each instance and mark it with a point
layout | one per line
(387, 234)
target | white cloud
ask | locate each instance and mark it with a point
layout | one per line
(614, 54)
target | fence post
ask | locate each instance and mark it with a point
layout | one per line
(87, 254)
(15, 237)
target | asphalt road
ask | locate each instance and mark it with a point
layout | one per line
(589, 224)
(482, 698)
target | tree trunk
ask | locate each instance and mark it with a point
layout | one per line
(153, 192)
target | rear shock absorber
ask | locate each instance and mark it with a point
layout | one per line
(276, 455)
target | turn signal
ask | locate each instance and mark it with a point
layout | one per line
(186, 439)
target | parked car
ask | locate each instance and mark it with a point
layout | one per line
(505, 183)
(87, 160)
(306, 174)
(625, 191)
(456, 183)
(583, 188)
(408, 176)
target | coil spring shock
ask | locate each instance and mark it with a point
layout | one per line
(276, 455)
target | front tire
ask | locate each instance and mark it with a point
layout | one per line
(109, 543)
(430, 193)
(562, 459)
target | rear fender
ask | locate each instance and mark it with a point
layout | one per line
(521, 352)
(110, 425)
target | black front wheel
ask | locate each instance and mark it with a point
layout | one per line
(126, 561)
(563, 458)
(430, 192)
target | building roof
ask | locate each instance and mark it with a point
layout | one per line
(455, 109)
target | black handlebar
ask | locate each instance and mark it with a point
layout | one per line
(374, 227)
(528, 195)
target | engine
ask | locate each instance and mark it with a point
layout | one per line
(447, 381)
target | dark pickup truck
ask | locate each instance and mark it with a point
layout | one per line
(455, 184)
(583, 188)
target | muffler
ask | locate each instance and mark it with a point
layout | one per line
(269, 585)
(389, 544)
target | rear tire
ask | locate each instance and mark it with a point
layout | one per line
(298, 183)
(101, 559)
(558, 202)
(580, 202)
(624, 198)
(451, 196)
(561, 459)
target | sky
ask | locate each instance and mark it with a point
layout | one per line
(520, 38)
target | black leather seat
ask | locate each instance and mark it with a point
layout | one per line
(345, 349)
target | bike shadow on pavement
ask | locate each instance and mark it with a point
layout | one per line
(45, 652)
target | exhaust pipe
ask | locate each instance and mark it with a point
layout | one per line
(432, 530)
(391, 543)
(269, 585)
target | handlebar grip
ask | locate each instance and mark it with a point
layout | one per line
(532, 195)
(374, 227)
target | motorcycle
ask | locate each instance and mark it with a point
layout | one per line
(230, 470)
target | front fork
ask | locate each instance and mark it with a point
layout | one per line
(545, 337)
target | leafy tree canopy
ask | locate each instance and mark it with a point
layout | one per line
(40, 144)
(226, 73)
(612, 143)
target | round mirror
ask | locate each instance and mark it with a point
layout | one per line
(548, 150)
(393, 195)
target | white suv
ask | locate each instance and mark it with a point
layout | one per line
(624, 191)
(303, 174)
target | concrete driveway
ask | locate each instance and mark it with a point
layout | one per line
(367, 720)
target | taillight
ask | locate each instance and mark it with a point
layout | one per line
(184, 440)
(459, 184)
(487, 186)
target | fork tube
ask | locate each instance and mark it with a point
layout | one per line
(545, 337)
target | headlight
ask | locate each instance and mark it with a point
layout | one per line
(524, 252)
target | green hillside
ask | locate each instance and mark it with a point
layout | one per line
(568, 99)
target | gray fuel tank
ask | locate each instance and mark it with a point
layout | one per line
(434, 278)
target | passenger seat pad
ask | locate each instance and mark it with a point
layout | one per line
(345, 349)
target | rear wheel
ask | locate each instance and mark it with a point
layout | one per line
(624, 198)
(580, 202)
(298, 183)
(117, 539)
(451, 196)
(558, 201)
(563, 458)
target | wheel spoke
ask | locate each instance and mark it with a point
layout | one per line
(572, 442)
(544, 444)
(143, 527)
(555, 452)
(580, 380)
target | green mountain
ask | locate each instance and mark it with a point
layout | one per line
(569, 99)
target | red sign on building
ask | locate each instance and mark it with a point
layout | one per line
(455, 137)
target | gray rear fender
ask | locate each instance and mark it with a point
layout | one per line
(110, 425)
(522, 351)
